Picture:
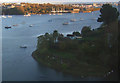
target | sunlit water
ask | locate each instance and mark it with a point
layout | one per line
(18, 64)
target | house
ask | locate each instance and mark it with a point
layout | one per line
(70, 36)
(10, 6)
(76, 10)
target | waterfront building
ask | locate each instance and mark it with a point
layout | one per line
(76, 10)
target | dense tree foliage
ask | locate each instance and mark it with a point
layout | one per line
(108, 14)
(13, 11)
(86, 30)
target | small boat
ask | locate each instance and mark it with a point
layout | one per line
(73, 20)
(3, 16)
(27, 15)
(30, 25)
(49, 20)
(23, 46)
(7, 27)
(59, 13)
(9, 16)
(66, 23)
(15, 25)
(81, 19)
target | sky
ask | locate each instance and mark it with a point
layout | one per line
(53, 1)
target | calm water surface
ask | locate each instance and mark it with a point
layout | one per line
(18, 64)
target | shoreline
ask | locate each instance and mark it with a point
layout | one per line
(68, 72)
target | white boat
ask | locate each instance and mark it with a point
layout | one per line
(30, 25)
(66, 23)
(24, 46)
(9, 16)
(3, 16)
(27, 15)
(73, 20)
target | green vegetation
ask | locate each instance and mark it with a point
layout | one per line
(108, 14)
(93, 54)
(12, 11)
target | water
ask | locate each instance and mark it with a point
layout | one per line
(18, 64)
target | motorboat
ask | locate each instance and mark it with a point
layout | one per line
(30, 25)
(24, 46)
(66, 23)
(3, 16)
(15, 25)
(9, 16)
(7, 27)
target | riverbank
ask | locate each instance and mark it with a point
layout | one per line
(83, 70)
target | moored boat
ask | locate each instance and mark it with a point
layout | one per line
(30, 25)
(73, 20)
(3, 16)
(27, 15)
(9, 16)
(66, 23)
(7, 27)
(24, 46)
(15, 25)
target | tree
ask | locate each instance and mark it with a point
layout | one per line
(47, 35)
(85, 31)
(76, 34)
(55, 35)
(108, 14)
